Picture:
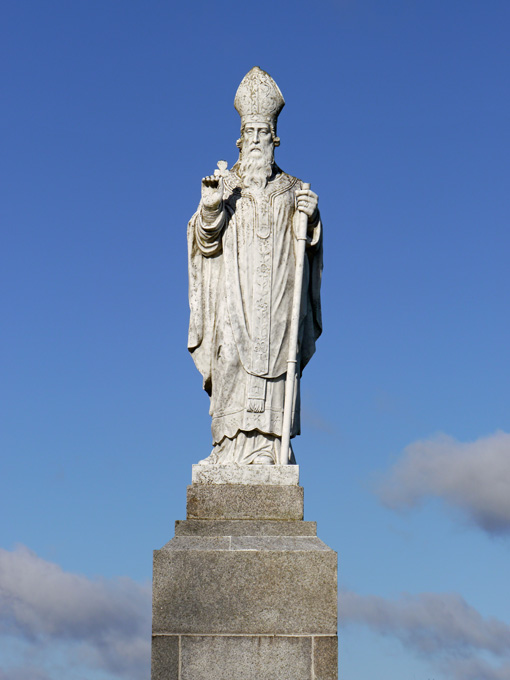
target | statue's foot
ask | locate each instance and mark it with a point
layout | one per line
(263, 459)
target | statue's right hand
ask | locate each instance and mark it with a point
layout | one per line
(212, 191)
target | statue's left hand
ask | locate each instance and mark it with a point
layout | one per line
(307, 201)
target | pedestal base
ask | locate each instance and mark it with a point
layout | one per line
(244, 657)
(245, 590)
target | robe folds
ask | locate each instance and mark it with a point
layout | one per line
(241, 283)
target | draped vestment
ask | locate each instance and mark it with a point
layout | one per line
(241, 282)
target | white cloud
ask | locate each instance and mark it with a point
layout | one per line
(473, 477)
(104, 623)
(443, 628)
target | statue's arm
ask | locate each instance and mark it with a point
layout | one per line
(211, 216)
(307, 201)
(208, 230)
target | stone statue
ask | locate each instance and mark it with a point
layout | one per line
(242, 275)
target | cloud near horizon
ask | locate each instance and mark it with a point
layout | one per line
(442, 628)
(102, 624)
(473, 477)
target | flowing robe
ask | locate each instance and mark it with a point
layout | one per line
(241, 283)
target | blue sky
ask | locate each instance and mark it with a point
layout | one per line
(398, 114)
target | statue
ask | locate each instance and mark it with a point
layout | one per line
(243, 273)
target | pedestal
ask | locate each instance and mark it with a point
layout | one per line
(245, 590)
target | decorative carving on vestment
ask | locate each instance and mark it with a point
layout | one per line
(254, 214)
(252, 328)
(262, 268)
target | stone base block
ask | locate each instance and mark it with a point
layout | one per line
(275, 475)
(244, 527)
(239, 501)
(245, 584)
(244, 657)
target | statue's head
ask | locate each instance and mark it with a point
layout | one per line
(258, 101)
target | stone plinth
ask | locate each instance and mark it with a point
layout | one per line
(245, 590)
(274, 475)
(240, 501)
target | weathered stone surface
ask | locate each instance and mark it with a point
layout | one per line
(246, 658)
(278, 475)
(245, 598)
(165, 657)
(240, 501)
(199, 543)
(325, 658)
(277, 543)
(245, 591)
(243, 527)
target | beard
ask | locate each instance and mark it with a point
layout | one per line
(256, 168)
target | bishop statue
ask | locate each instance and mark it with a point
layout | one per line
(243, 272)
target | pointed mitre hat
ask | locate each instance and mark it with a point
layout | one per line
(258, 98)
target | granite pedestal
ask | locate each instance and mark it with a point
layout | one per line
(245, 590)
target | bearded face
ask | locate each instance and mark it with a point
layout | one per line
(257, 155)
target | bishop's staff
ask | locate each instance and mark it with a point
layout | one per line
(290, 382)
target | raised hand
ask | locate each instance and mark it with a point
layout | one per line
(212, 187)
(212, 191)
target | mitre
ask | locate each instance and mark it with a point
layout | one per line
(258, 98)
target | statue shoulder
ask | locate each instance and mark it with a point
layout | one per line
(287, 182)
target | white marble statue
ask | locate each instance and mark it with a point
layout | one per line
(242, 274)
